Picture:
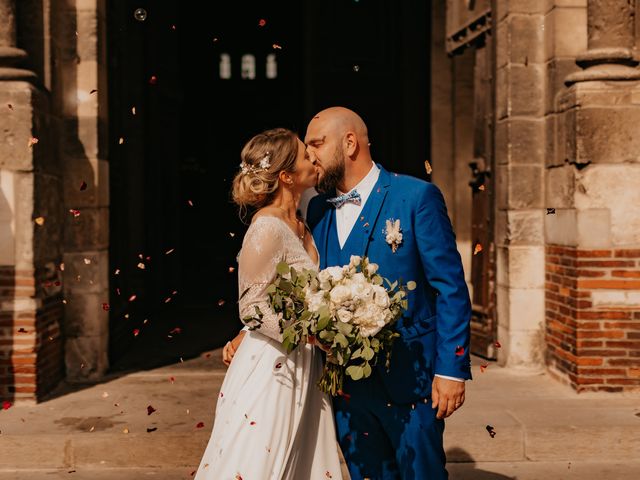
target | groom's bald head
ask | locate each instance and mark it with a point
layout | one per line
(340, 121)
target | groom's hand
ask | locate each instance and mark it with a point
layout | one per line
(447, 396)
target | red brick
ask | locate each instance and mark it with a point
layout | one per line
(589, 343)
(628, 253)
(593, 253)
(623, 381)
(590, 273)
(582, 361)
(609, 284)
(600, 334)
(624, 362)
(601, 371)
(626, 273)
(608, 315)
(605, 263)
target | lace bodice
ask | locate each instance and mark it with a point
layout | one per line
(268, 241)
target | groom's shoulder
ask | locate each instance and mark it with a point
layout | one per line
(412, 186)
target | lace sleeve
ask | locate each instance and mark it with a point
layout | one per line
(262, 250)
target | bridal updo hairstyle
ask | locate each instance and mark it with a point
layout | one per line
(254, 186)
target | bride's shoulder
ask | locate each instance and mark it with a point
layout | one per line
(265, 222)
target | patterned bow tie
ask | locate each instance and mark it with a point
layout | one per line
(353, 196)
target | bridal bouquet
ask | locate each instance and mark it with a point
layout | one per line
(346, 310)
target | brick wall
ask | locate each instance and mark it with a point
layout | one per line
(31, 354)
(593, 317)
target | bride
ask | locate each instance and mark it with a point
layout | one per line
(271, 420)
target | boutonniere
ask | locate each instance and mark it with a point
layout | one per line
(393, 234)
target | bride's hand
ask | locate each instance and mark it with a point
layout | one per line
(230, 348)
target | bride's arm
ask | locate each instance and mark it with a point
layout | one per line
(261, 252)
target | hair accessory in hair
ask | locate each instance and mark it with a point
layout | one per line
(264, 164)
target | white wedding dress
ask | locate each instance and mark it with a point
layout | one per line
(271, 420)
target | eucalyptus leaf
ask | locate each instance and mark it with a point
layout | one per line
(355, 372)
(282, 268)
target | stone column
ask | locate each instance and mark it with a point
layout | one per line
(593, 240)
(10, 56)
(519, 158)
(80, 96)
(30, 229)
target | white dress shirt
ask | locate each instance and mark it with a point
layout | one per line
(348, 213)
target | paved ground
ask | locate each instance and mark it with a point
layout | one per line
(543, 430)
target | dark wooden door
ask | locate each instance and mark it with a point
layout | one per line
(483, 324)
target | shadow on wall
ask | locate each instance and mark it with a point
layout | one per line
(7, 284)
(462, 466)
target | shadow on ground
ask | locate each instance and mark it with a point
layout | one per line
(465, 468)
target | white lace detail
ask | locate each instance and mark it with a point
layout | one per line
(268, 241)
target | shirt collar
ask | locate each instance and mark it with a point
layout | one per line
(365, 185)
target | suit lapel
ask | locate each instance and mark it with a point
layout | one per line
(374, 205)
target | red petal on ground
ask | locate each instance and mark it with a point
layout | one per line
(150, 410)
(200, 425)
(105, 307)
(6, 405)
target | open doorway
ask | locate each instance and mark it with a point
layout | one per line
(190, 82)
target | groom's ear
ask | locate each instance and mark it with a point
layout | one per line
(350, 144)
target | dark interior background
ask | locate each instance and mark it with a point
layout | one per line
(170, 174)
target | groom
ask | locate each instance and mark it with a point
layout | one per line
(390, 425)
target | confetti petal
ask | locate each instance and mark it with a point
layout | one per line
(497, 344)
(483, 367)
(262, 22)
(551, 211)
(427, 167)
(105, 307)
(83, 186)
(76, 213)
(150, 410)
(491, 431)
(477, 249)
(153, 80)
(33, 141)
(39, 220)
(6, 405)
(200, 425)
(459, 351)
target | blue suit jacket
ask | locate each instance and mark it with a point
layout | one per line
(437, 321)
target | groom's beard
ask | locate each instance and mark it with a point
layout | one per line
(334, 174)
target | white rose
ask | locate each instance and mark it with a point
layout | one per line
(362, 292)
(336, 273)
(355, 260)
(372, 268)
(324, 276)
(344, 315)
(315, 301)
(381, 297)
(340, 294)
